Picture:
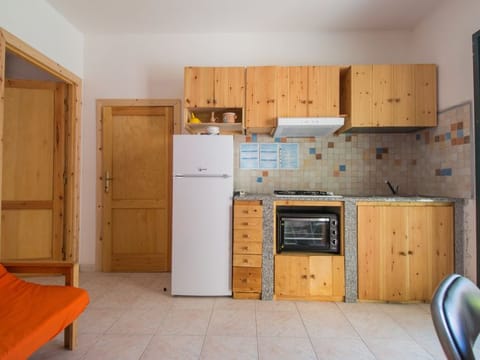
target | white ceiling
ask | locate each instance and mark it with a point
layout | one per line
(211, 16)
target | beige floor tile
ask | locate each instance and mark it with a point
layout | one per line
(328, 324)
(341, 349)
(317, 307)
(229, 347)
(98, 321)
(432, 346)
(140, 322)
(275, 306)
(190, 302)
(376, 326)
(280, 323)
(388, 349)
(185, 322)
(55, 350)
(173, 347)
(279, 348)
(153, 300)
(232, 323)
(114, 347)
(223, 303)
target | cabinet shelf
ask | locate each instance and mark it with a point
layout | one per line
(225, 128)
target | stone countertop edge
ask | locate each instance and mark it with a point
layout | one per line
(350, 231)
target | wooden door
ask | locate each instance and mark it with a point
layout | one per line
(33, 171)
(403, 95)
(137, 146)
(229, 87)
(361, 83)
(261, 104)
(323, 91)
(425, 95)
(383, 100)
(199, 87)
(298, 91)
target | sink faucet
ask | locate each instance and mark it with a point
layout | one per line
(394, 190)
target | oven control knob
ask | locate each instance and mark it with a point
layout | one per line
(334, 232)
(334, 242)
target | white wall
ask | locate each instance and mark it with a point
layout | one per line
(151, 66)
(445, 37)
(43, 28)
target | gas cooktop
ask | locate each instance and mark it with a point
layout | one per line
(310, 193)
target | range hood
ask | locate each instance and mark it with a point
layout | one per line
(307, 126)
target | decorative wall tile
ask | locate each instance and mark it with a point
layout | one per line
(359, 164)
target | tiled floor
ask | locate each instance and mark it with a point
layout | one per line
(132, 316)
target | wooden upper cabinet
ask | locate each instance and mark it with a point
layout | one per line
(323, 91)
(312, 91)
(425, 95)
(214, 87)
(390, 96)
(263, 85)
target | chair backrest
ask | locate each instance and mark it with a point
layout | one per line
(455, 311)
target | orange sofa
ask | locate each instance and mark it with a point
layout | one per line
(32, 314)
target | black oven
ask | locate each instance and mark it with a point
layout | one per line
(307, 229)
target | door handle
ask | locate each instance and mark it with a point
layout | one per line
(107, 180)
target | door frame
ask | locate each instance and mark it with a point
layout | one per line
(100, 104)
(11, 43)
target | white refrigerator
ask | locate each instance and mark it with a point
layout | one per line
(202, 215)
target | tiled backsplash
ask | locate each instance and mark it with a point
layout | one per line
(434, 161)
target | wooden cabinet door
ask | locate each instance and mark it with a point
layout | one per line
(382, 111)
(199, 87)
(425, 95)
(298, 91)
(229, 87)
(403, 95)
(292, 276)
(361, 96)
(323, 91)
(320, 276)
(370, 261)
(441, 245)
(261, 109)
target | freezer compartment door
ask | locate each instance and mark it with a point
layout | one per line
(202, 236)
(202, 154)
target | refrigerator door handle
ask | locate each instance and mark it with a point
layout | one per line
(224, 176)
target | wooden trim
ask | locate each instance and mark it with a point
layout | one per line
(404, 203)
(31, 84)
(25, 51)
(308, 203)
(2, 112)
(27, 205)
(116, 103)
(74, 92)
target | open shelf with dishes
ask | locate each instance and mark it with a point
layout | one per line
(206, 120)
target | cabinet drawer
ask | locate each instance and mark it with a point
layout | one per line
(249, 235)
(247, 279)
(248, 211)
(247, 223)
(247, 247)
(247, 260)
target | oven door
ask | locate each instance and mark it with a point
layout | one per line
(304, 234)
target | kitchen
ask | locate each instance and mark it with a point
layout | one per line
(132, 66)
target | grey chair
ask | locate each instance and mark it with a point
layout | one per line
(455, 311)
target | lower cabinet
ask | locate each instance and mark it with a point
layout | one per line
(404, 250)
(247, 249)
(310, 277)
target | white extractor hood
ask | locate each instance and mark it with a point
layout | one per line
(307, 126)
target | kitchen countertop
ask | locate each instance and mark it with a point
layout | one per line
(350, 232)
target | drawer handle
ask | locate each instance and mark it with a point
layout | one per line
(304, 276)
(312, 276)
(245, 223)
(244, 280)
(246, 236)
(410, 252)
(245, 248)
(403, 253)
(245, 261)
